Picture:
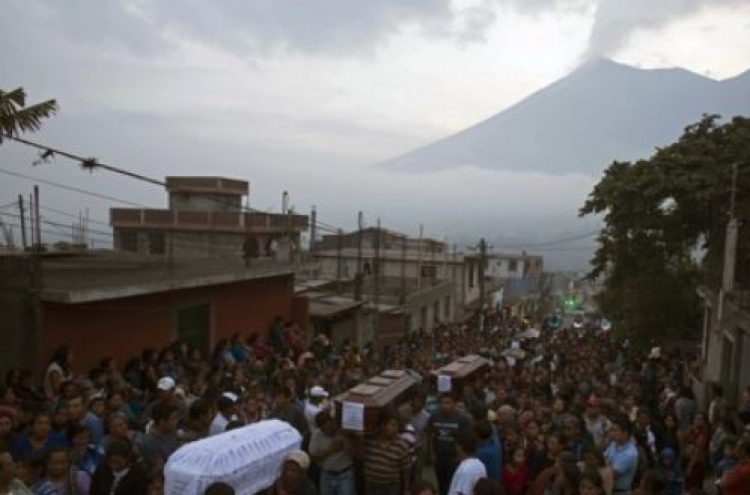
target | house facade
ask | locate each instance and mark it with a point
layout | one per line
(206, 218)
(116, 304)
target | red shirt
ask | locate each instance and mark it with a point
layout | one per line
(516, 480)
(737, 481)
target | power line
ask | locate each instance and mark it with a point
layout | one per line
(71, 215)
(87, 163)
(57, 224)
(70, 188)
(551, 243)
(92, 163)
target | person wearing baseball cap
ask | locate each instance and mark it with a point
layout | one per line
(293, 479)
(316, 402)
(227, 411)
(671, 472)
(596, 423)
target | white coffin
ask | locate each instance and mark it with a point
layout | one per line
(247, 458)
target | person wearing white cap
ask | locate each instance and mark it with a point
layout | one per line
(293, 479)
(227, 411)
(317, 400)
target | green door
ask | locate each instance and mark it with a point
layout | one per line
(194, 326)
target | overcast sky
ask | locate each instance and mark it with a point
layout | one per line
(305, 95)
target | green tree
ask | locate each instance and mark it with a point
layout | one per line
(17, 118)
(664, 227)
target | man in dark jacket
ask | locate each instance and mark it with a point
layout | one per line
(119, 475)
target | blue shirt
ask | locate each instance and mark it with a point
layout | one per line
(489, 454)
(22, 445)
(95, 426)
(623, 459)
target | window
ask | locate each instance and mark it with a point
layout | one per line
(447, 308)
(129, 242)
(512, 265)
(435, 312)
(156, 243)
(471, 275)
(429, 271)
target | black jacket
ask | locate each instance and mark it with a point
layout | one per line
(134, 483)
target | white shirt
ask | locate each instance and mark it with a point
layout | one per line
(466, 476)
(219, 424)
(312, 410)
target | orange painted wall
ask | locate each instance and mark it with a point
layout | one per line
(124, 327)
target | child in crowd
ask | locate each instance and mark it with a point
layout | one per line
(516, 474)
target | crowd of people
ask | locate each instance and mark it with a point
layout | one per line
(565, 412)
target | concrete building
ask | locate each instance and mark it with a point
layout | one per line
(116, 304)
(516, 281)
(514, 266)
(725, 350)
(206, 218)
(435, 284)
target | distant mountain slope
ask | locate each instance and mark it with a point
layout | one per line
(600, 112)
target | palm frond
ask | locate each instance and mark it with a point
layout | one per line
(16, 118)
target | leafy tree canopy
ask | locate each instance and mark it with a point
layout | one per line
(17, 118)
(664, 227)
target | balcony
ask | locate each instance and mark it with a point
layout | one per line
(206, 221)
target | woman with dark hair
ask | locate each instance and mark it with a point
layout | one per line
(696, 450)
(58, 371)
(149, 373)
(593, 460)
(39, 438)
(169, 365)
(670, 436)
(726, 432)
(83, 454)
(567, 475)
(60, 477)
(591, 483)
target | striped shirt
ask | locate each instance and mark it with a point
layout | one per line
(385, 461)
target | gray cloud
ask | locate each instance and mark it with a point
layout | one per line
(253, 27)
(616, 20)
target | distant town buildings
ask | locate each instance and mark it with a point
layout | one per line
(419, 283)
(206, 267)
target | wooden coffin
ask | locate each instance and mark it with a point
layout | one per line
(359, 409)
(454, 376)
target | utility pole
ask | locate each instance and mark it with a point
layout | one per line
(22, 216)
(32, 230)
(457, 284)
(287, 226)
(419, 258)
(730, 245)
(482, 264)
(339, 261)
(359, 278)
(377, 269)
(402, 298)
(37, 217)
(313, 229)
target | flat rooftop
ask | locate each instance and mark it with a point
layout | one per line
(98, 276)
